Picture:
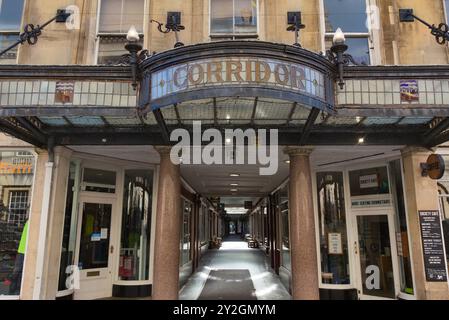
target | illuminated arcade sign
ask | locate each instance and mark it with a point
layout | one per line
(238, 71)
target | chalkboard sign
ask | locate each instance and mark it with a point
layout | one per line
(433, 249)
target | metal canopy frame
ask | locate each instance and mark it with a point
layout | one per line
(23, 121)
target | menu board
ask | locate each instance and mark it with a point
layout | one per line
(433, 248)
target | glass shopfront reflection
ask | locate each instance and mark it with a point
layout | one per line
(16, 180)
(136, 221)
(375, 256)
(332, 226)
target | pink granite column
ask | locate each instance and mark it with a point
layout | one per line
(305, 285)
(168, 220)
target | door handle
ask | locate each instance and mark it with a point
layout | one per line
(355, 247)
(112, 249)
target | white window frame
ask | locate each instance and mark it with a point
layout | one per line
(372, 36)
(350, 228)
(233, 35)
(17, 33)
(446, 12)
(99, 34)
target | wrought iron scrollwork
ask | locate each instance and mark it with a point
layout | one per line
(31, 33)
(441, 33)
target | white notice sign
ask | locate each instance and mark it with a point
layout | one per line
(334, 241)
(369, 181)
(104, 233)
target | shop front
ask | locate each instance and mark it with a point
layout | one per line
(17, 167)
(344, 224)
(107, 235)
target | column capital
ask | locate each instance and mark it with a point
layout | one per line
(298, 151)
(409, 150)
(163, 150)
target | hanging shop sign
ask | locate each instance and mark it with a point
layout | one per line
(409, 90)
(432, 243)
(434, 167)
(239, 70)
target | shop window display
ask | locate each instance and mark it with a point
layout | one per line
(332, 228)
(16, 179)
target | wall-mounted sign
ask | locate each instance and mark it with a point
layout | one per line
(249, 71)
(370, 202)
(409, 90)
(432, 244)
(369, 181)
(434, 167)
(64, 91)
(17, 166)
(334, 243)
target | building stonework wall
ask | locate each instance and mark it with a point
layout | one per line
(421, 194)
(399, 43)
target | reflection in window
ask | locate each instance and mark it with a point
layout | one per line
(185, 231)
(332, 228)
(10, 21)
(116, 17)
(96, 180)
(371, 181)
(136, 221)
(70, 227)
(16, 178)
(233, 17)
(285, 232)
(351, 17)
(402, 242)
(95, 234)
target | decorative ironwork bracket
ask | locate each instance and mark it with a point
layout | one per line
(341, 60)
(441, 33)
(31, 32)
(173, 24)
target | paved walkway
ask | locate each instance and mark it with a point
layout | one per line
(236, 255)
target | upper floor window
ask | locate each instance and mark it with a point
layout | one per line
(351, 17)
(233, 17)
(10, 21)
(115, 19)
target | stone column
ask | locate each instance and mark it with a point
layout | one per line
(305, 284)
(421, 193)
(168, 227)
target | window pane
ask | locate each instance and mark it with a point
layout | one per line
(185, 231)
(369, 182)
(95, 233)
(136, 222)
(111, 49)
(405, 267)
(358, 48)
(70, 226)
(16, 178)
(221, 16)
(332, 225)
(117, 16)
(245, 12)
(5, 41)
(10, 14)
(96, 180)
(349, 15)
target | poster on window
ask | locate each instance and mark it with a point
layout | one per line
(334, 242)
(369, 181)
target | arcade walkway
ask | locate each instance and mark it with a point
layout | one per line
(224, 271)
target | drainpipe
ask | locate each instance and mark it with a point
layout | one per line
(43, 225)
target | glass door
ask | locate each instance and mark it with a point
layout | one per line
(95, 248)
(374, 248)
